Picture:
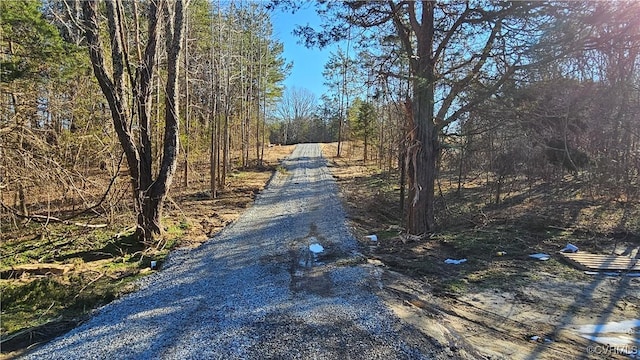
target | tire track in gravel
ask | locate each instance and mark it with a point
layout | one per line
(255, 290)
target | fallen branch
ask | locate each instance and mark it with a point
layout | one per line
(88, 284)
(125, 231)
(48, 218)
(106, 193)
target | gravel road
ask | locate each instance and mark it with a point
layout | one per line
(256, 290)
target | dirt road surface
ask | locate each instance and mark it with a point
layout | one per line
(257, 291)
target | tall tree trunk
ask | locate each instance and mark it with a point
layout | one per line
(257, 107)
(187, 120)
(112, 88)
(226, 147)
(143, 102)
(366, 148)
(214, 80)
(148, 193)
(152, 206)
(423, 147)
(422, 157)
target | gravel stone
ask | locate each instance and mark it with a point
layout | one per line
(255, 291)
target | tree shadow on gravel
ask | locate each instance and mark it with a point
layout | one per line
(210, 298)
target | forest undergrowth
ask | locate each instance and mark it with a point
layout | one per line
(542, 218)
(54, 273)
(500, 302)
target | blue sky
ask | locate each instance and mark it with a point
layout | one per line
(307, 63)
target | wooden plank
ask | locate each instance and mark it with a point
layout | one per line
(597, 262)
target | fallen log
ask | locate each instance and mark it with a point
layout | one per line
(35, 269)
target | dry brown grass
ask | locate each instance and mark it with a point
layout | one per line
(543, 218)
(370, 195)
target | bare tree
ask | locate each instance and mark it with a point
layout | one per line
(126, 82)
(295, 109)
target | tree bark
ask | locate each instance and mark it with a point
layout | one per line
(152, 207)
(148, 218)
(187, 120)
(423, 148)
(148, 193)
